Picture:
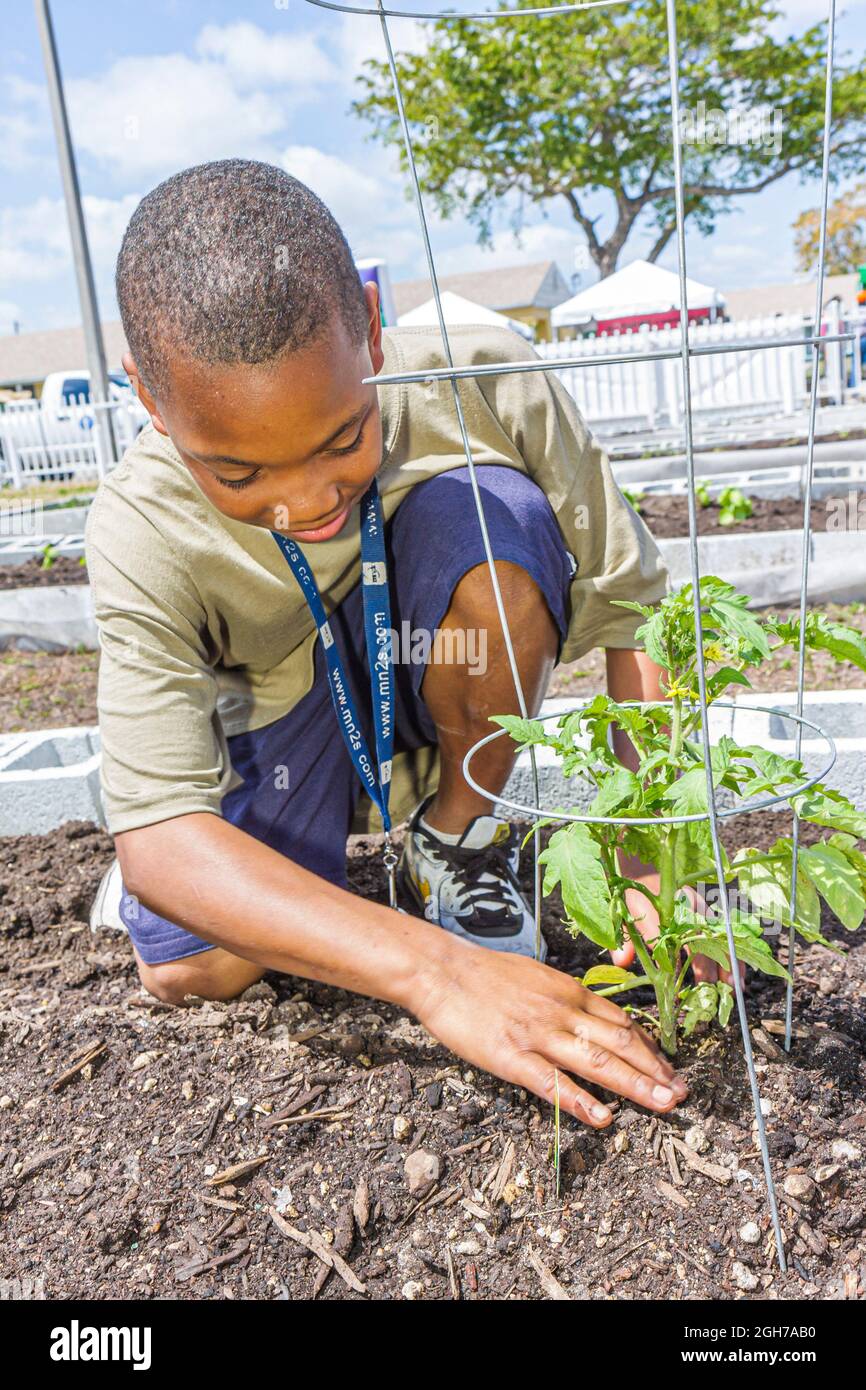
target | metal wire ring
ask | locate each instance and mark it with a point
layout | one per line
(536, 812)
(507, 12)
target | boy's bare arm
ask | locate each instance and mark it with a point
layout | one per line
(523, 1021)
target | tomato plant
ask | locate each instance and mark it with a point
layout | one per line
(582, 859)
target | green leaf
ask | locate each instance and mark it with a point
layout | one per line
(733, 616)
(612, 975)
(572, 860)
(725, 676)
(842, 641)
(700, 1003)
(831, 808)
(635, 607)
(768, 886)
(523, 731)
(619, 790)
(837, 881)
(775, 767)
(847, 845)
(753, 951)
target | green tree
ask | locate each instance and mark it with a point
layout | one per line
(541, 109)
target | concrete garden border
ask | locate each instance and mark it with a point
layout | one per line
(51, 777)
(765, 564)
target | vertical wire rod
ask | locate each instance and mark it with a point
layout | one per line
(476, 493)
(807, 505)
(696, 595)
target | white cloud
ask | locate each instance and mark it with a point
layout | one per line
(24, 122)
(149, 114)
(34, 238)
(369, 206)
(253, 58)
(540, 241)
(235, 94)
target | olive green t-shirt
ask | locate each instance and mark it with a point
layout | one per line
(203, 633)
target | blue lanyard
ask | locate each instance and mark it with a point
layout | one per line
(377, 628)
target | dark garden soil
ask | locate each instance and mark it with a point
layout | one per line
(668, 516)
(32, 574)
(47, 690)
(144, 1147)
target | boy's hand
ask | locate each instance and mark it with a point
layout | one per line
(647, 922)
(536, 1027)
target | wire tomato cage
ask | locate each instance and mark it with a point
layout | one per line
(684, 352)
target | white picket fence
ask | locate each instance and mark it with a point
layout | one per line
(616, 398)
(38, 445)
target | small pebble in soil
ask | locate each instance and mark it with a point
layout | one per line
(402, 1128)
(413, 1291)
(826, 1172)
(844, 1152)
(433, 1094)
(743, 1277)
(800, 1186)
(470, 1246)
(697, 1140)
(750, 1233)
(421, 1169)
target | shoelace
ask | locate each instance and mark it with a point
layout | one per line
(468, 865)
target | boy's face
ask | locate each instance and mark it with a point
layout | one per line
(291, 444)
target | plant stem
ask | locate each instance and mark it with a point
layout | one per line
(666, 997)
(733, 869)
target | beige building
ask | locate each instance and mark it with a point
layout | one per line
(523, 292)
(795, 297)
(27, 358)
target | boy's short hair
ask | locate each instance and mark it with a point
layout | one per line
(232, 261)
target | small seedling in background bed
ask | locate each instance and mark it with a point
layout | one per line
(49, 556)
(634, 499)
(702, 493)
(734, 506)
(583, 859)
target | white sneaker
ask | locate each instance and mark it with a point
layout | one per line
(471, 887)
(105, 912)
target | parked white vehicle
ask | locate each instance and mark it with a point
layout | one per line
(55, 437)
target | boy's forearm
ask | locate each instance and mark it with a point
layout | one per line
(225, 886)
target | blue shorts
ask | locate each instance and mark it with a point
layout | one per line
(432, 540)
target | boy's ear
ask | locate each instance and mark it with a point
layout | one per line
(374, 326)
(138, 386)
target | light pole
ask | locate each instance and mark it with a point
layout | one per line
(106, 449)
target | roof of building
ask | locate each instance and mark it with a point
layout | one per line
(540, 284)
(27, 358)
(794, 297)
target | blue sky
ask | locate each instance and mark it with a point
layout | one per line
(156, 86)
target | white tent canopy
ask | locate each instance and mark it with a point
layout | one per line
(456, 309)
(639, 288)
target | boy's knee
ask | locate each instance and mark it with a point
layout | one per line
(208, 975)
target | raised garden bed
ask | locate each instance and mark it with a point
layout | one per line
(667, 516)
(49, 690)
(33, 574)
(106, 1184)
